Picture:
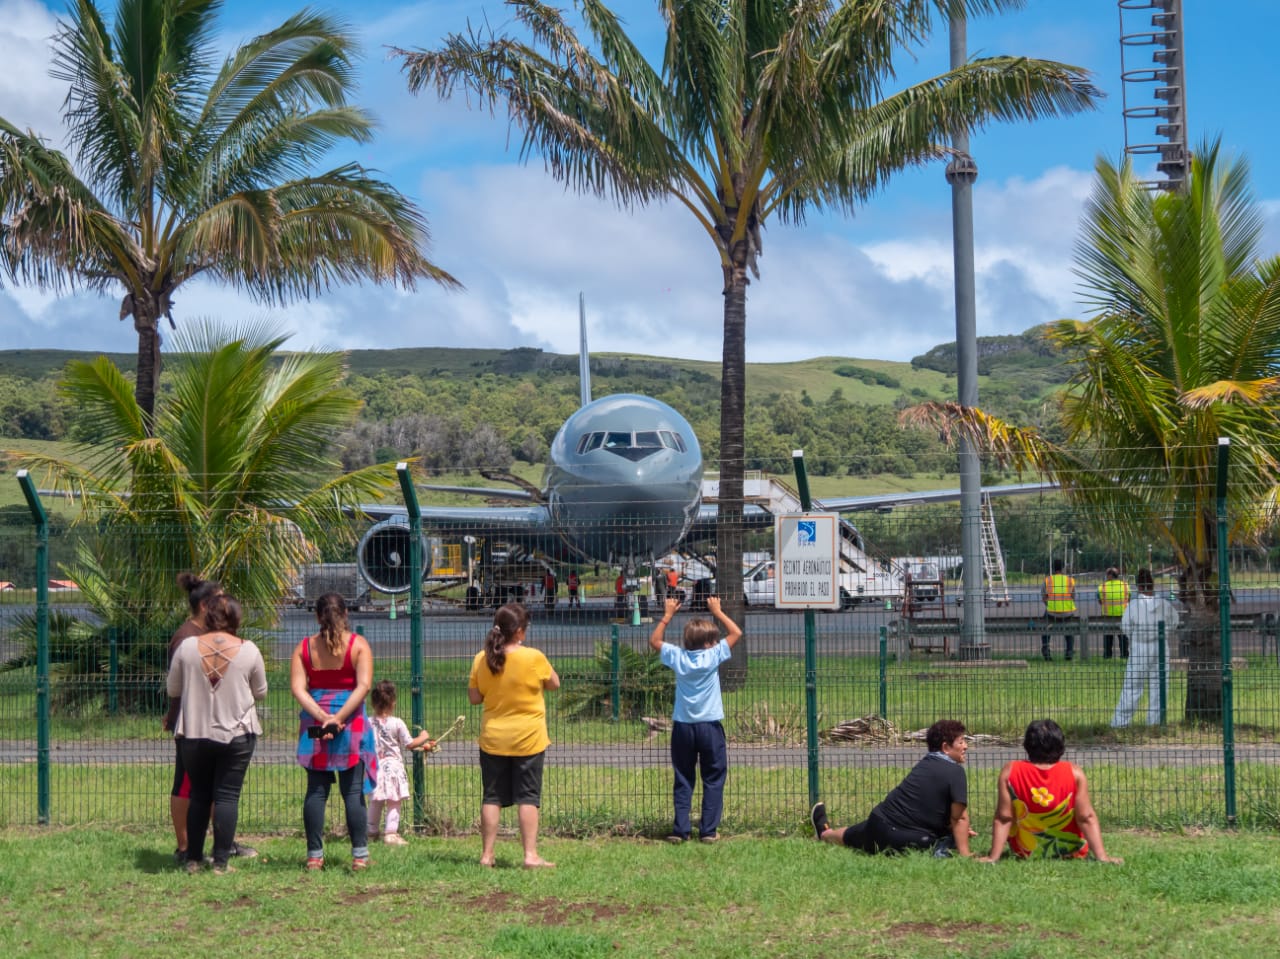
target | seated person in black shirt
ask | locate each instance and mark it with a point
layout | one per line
(927, 810)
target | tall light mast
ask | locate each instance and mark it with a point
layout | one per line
(1153, 71)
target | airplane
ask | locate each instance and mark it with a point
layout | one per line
(623, 485)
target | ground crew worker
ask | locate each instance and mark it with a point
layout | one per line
(673, 583)
(1059, 595)
(549, 589)
(1113, 594)
(572, 584)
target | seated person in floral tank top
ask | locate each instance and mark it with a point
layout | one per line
(1042, 803)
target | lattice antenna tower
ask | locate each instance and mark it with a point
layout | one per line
(1153, 71)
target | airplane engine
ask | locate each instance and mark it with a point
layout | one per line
(383, 556)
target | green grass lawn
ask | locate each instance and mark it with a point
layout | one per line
(627, 788)
(769, 709)
(94, 892)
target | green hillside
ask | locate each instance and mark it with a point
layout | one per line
(501, 408)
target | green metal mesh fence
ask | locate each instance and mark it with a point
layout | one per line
(608, 769)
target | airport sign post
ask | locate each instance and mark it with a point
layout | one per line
(808, 560)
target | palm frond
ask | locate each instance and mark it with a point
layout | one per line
(864, 147)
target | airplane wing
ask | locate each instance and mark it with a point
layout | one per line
(884, 502)
(523, 523)
(755, 516)
(703, 528)
(489, 492)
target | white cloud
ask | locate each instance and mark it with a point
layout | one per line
(29, 97)
(878, 286)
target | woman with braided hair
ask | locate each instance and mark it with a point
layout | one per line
(509, 679)
(330, 676)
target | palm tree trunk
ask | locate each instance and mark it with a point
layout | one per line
(1204, 643)
(732, 462)
(146, 320)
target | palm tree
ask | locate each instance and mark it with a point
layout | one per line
(181, 170)
(762, 108)
(234, 478)
(1181, 350)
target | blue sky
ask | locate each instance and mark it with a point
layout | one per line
(877, 285)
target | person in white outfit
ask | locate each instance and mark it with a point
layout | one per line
(1141, 623)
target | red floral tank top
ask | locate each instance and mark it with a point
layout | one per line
(1044, 812)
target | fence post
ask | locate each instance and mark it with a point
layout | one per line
(41, 519)
(1224, 612)
(415, 638)
(615, 674)
(1162, 671)
(810, 651)
(113, 671)
(884, 662)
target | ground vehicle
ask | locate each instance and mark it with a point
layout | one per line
(759, 586)
(925, 582)
(341, 578)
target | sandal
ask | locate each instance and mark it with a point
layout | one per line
(314, 863)
(360, 863)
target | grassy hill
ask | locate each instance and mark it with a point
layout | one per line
(503, 407)
(1019, 365)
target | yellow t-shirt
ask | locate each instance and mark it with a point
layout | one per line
(514, 721)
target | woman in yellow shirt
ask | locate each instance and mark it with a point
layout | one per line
(509, 679)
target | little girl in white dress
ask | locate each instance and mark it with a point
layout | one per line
(390, 735)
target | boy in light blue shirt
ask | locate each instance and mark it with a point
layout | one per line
(697, 735)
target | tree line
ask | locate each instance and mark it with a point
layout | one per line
(496, 419)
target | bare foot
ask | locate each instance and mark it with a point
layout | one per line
(538, 864)
(487, 863)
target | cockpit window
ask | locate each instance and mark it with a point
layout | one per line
(589, 441)
(672, 441)
(640, 440)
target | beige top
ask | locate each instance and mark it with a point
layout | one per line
(221, 712)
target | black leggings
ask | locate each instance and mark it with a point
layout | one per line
(217, 774)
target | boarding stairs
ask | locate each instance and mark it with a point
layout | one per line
(993, 557)
(775, 497)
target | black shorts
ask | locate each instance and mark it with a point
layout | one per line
(511, 780)
(878, 835)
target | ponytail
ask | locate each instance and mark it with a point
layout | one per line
(495, 656)
(507, 622)
(331, 614)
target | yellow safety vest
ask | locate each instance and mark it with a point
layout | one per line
(1114, 596)
(1059, 592)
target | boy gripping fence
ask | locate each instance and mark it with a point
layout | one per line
(697, 735)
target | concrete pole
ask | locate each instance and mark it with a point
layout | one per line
(961, 174)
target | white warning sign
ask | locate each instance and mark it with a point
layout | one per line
(808, 560)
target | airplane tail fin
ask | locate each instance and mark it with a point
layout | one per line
(584, 358)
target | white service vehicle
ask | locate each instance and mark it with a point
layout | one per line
(760, 585)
